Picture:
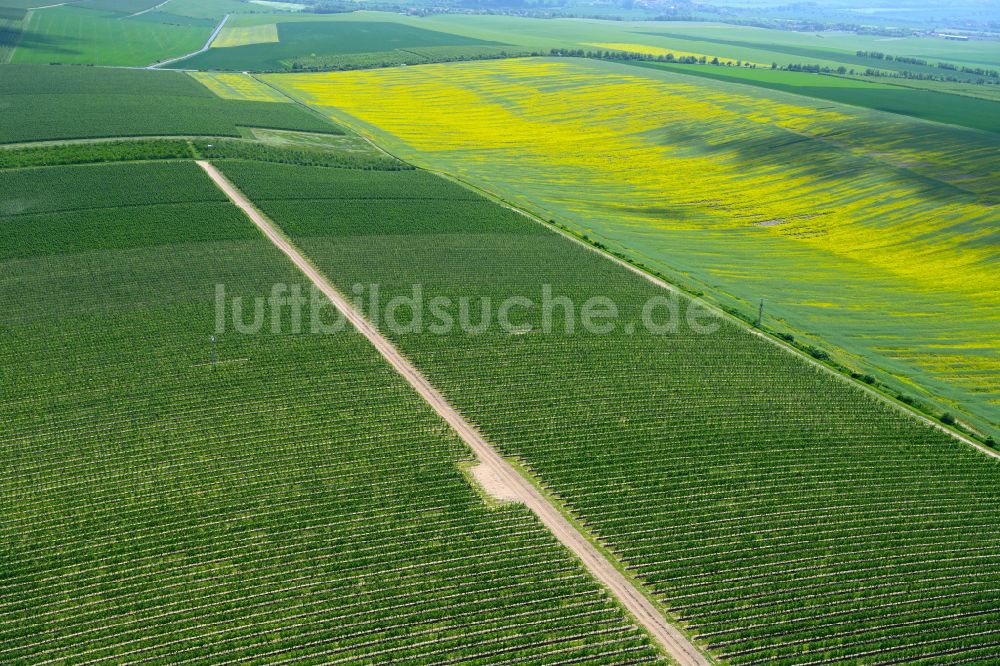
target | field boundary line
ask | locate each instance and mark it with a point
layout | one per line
(719, 312)
(722, 314)
(355, 125)
(669, 638)
(350, 122)
(316, 112)
(345, 119)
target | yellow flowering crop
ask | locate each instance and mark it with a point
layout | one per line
(239, 86)
(887, 218)
(242, 36)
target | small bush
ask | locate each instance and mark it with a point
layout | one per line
(818, 353)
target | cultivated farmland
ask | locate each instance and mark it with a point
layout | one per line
(651, 341)
(45, 103)
(784, 515)
(272, 497)
(240, 86)
(881, 243)
(83, 35)
(298, 40)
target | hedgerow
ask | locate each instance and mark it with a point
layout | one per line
(103, 151)
(246, 150)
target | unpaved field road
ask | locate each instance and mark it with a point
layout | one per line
(672, 640)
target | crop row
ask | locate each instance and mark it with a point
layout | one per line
(875, 241)
(748, 489)
(264, 498)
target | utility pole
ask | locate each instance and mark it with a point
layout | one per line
(214, 340)
(760, 313)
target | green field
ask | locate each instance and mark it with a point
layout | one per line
(295, 500)
(18, 4)
(208, 9)
(45, 103)
(126, 7)
(781, 513)
(716, 39)
(325, 39)
(795, 53)
(77, 35)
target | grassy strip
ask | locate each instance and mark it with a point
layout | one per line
(180, 148)
(414, 56)
(50, 103)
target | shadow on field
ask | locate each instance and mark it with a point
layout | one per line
(38, 42)
(817, 157)
(8, 36)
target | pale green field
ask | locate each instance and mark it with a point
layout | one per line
(71, 35)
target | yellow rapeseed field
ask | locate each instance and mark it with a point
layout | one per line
(814, 196)
(683, 144)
